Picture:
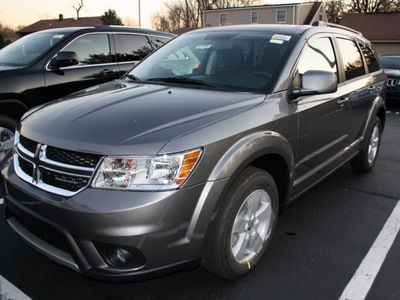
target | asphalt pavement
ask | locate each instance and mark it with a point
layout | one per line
(321, 241)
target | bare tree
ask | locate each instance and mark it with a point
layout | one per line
(334, 10)
(78, 8)
(374, 6)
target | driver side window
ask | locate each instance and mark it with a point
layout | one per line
(317, 55)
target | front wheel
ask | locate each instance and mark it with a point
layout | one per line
(244, 225)
(7, 128)
(365, 160)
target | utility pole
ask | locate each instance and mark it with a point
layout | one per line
(140, 20)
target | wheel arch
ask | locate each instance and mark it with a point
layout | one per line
(13, 108)
(268, 151)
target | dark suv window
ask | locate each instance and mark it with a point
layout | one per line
(370, 58)
(352, 61)
(91, 49)
(157, 42)
(132, 47)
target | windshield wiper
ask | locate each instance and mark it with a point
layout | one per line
(182, 80)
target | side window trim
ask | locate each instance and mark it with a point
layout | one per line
(82, 66)
(339, 54)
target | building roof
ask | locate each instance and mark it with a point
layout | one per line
(374, 26)
(60, 23)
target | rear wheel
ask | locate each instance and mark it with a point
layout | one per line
(7, 128)
(244, 225)
(366, 159)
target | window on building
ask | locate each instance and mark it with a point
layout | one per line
(321, 18)
(351, 56)
(281, 16)
(223, 19)
(254, 17)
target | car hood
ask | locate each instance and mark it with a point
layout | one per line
(125, 118)
(392, 72)
(7, 68)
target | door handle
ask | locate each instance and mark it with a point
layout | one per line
(371, 88)
(342, 101)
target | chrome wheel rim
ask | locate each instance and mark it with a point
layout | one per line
(373, 144)
(252, 226)
(6, 141)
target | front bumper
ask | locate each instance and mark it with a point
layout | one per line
(113, 234)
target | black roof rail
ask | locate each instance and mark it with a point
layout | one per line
(326, 24)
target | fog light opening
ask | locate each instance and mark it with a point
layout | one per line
(119, 257)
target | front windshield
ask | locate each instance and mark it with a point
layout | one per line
(390, 62)
(237, 61)
(25, 50)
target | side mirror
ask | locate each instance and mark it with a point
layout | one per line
(65, 59)
(315, 82)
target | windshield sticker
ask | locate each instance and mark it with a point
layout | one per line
(201, 47)
(58, 36)
(280, 38)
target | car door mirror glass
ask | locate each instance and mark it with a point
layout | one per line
(315, 82)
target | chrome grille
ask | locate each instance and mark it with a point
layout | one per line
(59, 171)
(392, 82)
(28, 144)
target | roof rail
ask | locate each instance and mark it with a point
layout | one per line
(326, 24)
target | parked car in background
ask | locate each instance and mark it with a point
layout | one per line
(191, 155)
(391, 66)
(49, 64)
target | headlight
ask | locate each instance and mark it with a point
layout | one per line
(146, 173)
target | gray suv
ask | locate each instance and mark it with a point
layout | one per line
(189, 158)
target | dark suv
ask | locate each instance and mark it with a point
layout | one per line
(47, 65)
(192, 154)
(391, 66)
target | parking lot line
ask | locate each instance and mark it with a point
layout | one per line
(9, 291)
(360, 284)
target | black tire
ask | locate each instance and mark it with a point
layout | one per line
(219, 257)
(366, 159)
(9, 125)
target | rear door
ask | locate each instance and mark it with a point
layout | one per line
(96, 65)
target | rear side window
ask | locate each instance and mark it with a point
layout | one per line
(370, 58)
(352, 61)
(131, 47)
(91, 49)
(157, 41)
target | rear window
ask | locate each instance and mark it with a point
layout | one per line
(370, 58)
(390, 62)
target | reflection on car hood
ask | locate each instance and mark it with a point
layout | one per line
(7, 68)
(392, 72)
(125, 118)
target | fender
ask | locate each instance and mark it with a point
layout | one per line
(377, 105)
(239, 156)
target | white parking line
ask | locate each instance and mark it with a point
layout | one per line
(364, 277)
(9, 291)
